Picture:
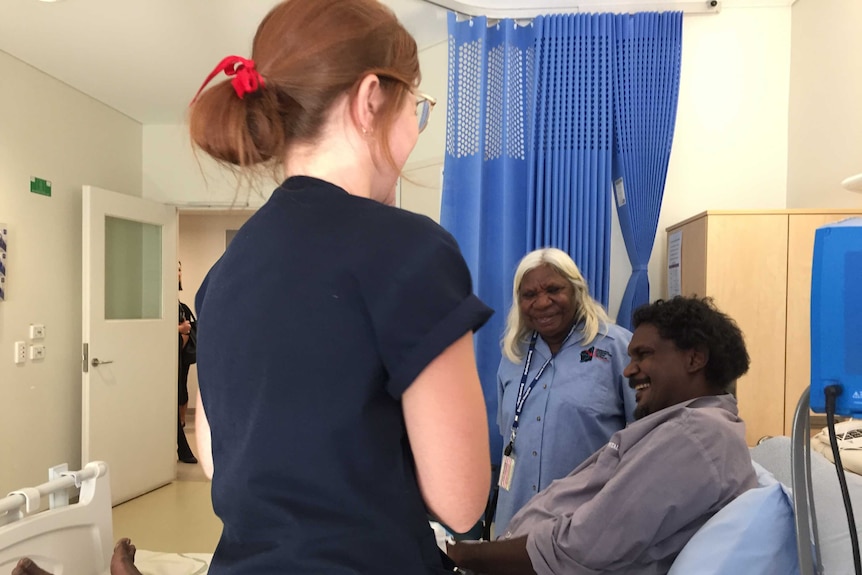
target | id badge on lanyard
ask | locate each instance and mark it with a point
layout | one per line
(507, 466)
(507, 469)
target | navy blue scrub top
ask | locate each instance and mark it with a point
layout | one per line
(321, 313)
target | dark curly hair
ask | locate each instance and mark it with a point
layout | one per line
(690, 323)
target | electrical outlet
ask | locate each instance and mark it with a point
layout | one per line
(37, 331)
(37, 351)
(20, 352)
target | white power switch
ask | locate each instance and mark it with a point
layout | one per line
(37, 351)
(20, 352)
(37, 331)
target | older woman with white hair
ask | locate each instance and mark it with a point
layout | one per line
(561, 390)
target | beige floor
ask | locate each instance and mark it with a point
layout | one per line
(177, 518)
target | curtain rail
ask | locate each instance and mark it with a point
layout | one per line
(465, 12)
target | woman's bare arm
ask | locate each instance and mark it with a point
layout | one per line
(444, 410)
(204, 440)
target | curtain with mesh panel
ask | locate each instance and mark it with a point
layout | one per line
(532, 143)
(571, 143)
(485, 172)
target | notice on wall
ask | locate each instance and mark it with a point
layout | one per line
(674, 264)
(3, 236)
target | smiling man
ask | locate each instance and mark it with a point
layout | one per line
(634, 504)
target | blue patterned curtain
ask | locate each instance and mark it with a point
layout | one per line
(485, 172)
(570, 153)
(530, 144)
(648, 50)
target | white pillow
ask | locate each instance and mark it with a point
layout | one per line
(755, 533)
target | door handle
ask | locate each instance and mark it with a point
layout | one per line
(97, 362)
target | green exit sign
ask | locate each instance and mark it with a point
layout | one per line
(40, 186)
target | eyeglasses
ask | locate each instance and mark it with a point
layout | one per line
(424, 105)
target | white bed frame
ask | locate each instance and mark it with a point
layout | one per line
(62, 538)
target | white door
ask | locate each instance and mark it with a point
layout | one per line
(129, 362)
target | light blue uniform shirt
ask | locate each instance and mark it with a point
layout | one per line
(581, 400)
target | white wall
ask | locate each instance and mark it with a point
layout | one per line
(431, 147)
(173, 173)
(730, 143)
(54, 132)
(421, 186)
(825, 103)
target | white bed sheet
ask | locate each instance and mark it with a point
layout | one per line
(158, 563)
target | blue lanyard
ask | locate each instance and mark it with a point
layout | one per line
(524, 390)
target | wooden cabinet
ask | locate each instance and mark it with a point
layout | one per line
(756, 265)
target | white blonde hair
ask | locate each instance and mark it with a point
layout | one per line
(589, 311)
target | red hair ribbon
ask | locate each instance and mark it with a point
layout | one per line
(245, 78)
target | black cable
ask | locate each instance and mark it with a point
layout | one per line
(490, 510)
(832, 392)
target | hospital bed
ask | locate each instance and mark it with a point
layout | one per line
(68, 537)
(754, 534)
(833, 535)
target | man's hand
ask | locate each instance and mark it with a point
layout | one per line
(507, 557)
(455, 552)
(184, 329)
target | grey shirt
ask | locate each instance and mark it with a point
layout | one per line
(634, 504)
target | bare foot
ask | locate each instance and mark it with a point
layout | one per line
(123, 559)
(26, 567)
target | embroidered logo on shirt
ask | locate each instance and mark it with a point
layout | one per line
(613, 446)
(589, 354)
